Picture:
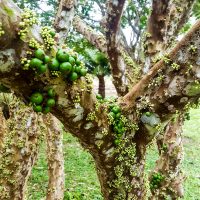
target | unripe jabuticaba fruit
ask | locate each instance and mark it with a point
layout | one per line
(65, 68)
(35, 63)
(78, 69)
(73, 76)
(118, 115)
(83, 72)
(62, 56)
(37, 108)
(46, 110)
(36, 98)
(42, 69)
(47, 59)
(98, 96)
(51, 102)
(116, 109)
(51, 92)
(54, 65)
(78, 62)
(72, 60)
(112, 114)
(52, 33)
(39, 53)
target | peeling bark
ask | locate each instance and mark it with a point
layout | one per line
(166, 89)
(64, 18)
(169, 163)
(55, 159)
(19, 150)
(166, 19)
(112, 29)
(182, 56)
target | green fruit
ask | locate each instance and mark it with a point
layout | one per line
(54, 65)
(83, 72)
(62, 56)
(47, 59)
(73, 76)
(35, 62)
(39, 53)
(65, 67)
(148, 114)
(42, 69)
(72, 60)
(52, 33)
(120, 124)
(51, 102)
(98, 96)
(37, 108)
(78, 69)
(116, 109)
(51, 92)
(46, 110)
(116, 141)
(112, 114)
(121, 130)
(36, 98)
(118, 115)
(78, 62)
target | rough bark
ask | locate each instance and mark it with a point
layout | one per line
(19, 150)
(101, 85)
(64, 18)
(169, 163)
(182, 59)
(3, 128)
(55, 159)
(119, 167)
(166, 19)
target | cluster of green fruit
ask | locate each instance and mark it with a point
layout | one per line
(48, 35)
(2, 32)
(29, 18)
(65, 64)
(43, 102)
(118, 126)
(156, 180)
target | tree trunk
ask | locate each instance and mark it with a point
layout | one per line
(169, 163)
(120, 168)
(55, 158)
(101, 90)
(19, 151)
(169, 87)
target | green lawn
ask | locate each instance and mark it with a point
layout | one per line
(81, 180)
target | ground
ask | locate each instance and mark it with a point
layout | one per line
(81, 180)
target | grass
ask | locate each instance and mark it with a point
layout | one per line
(81, 180)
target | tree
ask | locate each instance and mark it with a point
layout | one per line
(118, 131)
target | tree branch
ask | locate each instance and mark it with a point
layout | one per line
(64, 18)
(183, 54)
(96, 39)
(166, 19)
(55, 157)
(113, 17)
(99, 41)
